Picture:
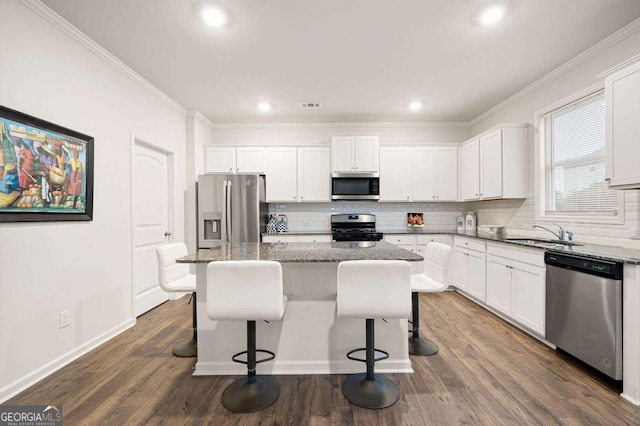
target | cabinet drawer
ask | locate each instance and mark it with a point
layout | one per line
(400, 239)
(470, 243)
(314, 238)
(532, 256)
(426, 239)
(279, 238)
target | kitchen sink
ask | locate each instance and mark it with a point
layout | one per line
(542, 243)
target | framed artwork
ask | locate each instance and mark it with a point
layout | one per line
(415, 220)
(46, 170)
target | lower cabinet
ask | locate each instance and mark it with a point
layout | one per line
(418, 244)
(516, 284)
(469, 267)
(281, 238)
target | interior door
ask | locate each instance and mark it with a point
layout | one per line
(151, 178)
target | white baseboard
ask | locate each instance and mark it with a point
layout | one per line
(631, 400)
(300, 367)
(32, 378)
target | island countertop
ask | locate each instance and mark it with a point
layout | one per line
(302, 252)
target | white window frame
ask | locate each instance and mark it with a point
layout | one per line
(540, 147)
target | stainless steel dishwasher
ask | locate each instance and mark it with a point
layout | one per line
(584, 310)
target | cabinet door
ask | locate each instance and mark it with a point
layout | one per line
(528, 287)
(491, 165)
(499, 284)
(410, 247)
(460, 268)
(314, 177)
(471, 170)
(395, 174)
(282, 174)
(250, 160)
(446, 173)
(424, 165)
(367, 154)
(622, 127)
(477, 278)
(342, 153)
(219, 159)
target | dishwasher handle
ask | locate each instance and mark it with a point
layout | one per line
(598, 267)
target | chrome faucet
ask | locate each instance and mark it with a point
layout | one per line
(559, 235)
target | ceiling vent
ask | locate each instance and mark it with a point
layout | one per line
(310, 105)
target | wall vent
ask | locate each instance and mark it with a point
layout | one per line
(310, 105)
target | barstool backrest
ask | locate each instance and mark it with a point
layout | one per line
(174, 276)
(436, 260)
(248, 290)
(374, 289)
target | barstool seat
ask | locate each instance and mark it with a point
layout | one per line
(432, 280)
(249, 290)
(371, 289)
(177, 278)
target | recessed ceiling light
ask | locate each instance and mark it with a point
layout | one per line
(214, 16)
(264, 106)
(492, 14)
(415, 106)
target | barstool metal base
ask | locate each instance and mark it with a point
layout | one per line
(186, 349)
(422, 347)
(250, 394)
(373, 394)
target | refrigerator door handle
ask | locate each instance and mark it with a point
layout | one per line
(229, 210)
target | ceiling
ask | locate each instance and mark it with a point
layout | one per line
(364, 60)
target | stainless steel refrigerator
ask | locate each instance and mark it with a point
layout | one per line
(231, 208)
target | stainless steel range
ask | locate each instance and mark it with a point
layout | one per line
(354, 227)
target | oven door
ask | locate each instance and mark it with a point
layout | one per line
(355, 188)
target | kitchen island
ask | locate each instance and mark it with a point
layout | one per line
(310, 339)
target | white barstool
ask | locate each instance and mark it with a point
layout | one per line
(248, 290)
(433, 280)
(372, 289)
(177, 278)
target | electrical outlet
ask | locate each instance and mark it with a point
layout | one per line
(64, 318)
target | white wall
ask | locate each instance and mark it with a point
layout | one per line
(523, 110)
(83, 266)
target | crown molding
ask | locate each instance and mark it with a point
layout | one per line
(619, 66)
(82, 39)
(594, 50)
(196, 115)
(324, 125)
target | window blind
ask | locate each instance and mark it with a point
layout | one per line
(575, 137)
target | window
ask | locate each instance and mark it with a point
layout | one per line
(574, 168)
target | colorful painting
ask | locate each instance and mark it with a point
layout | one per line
(415, 220)
(46, 171)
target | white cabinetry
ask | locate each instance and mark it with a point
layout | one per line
(280, 238)
(516, 284)
(469, 267)
(418, 173)
(355, 154)
(298, 174)
(622, 127)
(494, 165)
(234, 159)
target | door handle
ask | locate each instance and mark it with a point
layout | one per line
(167, 233)
(229, 212)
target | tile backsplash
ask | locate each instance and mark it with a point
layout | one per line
(517, 216)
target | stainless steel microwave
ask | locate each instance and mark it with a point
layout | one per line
(349, 186)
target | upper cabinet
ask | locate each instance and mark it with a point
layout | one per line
(243, 159)
(298, 174)
(355, 154)
(426, 173)
(494, 165)
(622, 127)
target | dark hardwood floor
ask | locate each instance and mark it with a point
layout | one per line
(487, 372)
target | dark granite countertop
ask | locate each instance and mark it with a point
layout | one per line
(611, 253)
(302, 252)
